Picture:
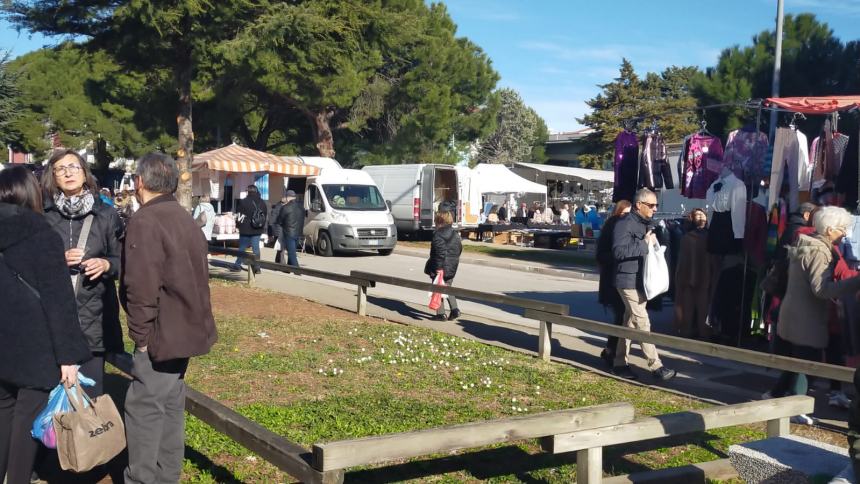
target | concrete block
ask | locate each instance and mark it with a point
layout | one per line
(787, 460)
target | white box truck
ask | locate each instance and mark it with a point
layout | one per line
(346, 213)
(415, 193)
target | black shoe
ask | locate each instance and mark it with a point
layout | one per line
(663, 373)
(439, 317)
(624, 372)
(257, 271)
(454, 315)
(608, 357)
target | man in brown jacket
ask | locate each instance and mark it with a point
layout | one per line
(165, 291)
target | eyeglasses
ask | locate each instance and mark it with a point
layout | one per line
(652, 206)
(70, 169)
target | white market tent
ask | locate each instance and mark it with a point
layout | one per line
(498, 179)
(583, 173)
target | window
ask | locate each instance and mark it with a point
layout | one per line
(315, 199)
(354, 197)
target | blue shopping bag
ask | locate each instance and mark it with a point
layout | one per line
(58, 401)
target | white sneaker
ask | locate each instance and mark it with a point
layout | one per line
(838, 399)
(802, 419)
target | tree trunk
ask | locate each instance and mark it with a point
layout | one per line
(183, 122)
(323, 136)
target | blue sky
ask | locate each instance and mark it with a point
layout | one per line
(555, 52)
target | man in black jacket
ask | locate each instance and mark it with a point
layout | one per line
(292, 223)
(275, 232)
(630, 244)
(251, 220)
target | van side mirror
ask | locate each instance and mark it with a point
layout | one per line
(388, 204)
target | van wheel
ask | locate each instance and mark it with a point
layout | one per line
(324, 245)
(385, 251)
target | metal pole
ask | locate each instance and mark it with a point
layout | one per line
(777, 64)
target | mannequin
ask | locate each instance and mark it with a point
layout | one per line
(727, 197)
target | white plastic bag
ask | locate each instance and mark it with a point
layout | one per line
(656, 271)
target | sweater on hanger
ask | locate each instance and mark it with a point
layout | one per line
(697, 176)
(626, 166)
(745, 152)
(729, 194)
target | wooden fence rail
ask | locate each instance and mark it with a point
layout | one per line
(287, 456)
(767, 360)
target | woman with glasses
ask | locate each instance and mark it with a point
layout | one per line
(40, 339)
(802, 331)
(91, 233)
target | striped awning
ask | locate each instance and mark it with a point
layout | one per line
(238, 159)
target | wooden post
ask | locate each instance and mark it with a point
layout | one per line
(778, 427)
(589, 466)
(361, 306)
(250, 273)
(545, 340)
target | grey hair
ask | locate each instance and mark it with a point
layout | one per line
(158, 173)
(832, 218)
(643, 194)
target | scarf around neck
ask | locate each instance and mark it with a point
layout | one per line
(76, 205)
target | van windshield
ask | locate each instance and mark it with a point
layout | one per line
(354, 197)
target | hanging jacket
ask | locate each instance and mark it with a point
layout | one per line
(38, 333)
(98, 306)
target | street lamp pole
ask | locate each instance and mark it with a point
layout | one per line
(777, 64)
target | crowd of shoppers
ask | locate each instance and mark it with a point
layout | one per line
(62, 250)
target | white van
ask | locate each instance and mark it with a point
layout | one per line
(346, 212)
(415, 192)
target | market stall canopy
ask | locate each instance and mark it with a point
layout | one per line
(238, 159)
(816, 105)
(499, 179)
(583, 173)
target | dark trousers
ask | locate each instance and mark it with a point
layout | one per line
(618, 320)
(252, 241)
(95, 369)
(790, 383)
(18, 410)
(291, 245)
(155, 420)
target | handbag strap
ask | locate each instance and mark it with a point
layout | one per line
(82, 244)
(79, 398)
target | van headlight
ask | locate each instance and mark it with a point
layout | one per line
(339, 217)
(390, 219)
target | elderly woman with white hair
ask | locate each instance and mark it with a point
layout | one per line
(802, 328)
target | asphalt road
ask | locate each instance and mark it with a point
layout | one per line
(579, 294)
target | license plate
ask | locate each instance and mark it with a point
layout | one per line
(372, 242)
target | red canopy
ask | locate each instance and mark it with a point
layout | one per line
(815, 105)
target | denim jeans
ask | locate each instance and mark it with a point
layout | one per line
(291, 245)
(254, 242)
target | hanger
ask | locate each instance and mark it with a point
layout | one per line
(794, 117)
(704, 129)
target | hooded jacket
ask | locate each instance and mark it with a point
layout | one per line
(39, 330)
(445, 252)
(98, 306)
(803, 314)
(245, 208)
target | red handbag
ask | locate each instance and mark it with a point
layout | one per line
(436, 297)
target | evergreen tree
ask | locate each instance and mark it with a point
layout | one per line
(520, 133)
(664, 99)
(10, 108)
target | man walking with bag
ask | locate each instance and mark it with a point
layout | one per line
(630, 244)
(165, 291)
(251, 219)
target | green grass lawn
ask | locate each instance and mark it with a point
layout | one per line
(314, 374)
(552, 257)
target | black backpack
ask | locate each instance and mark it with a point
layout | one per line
(258, 218)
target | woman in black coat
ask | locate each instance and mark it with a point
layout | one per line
(445, 255)
(40, 338)
(607, 295)
(72, 196)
